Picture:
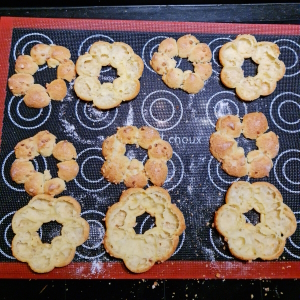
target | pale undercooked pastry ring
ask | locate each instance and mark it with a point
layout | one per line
(265, 54)
(27, 245)
(266, 239)
(140, 251)
(108, 95)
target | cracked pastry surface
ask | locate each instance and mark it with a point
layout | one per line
(141, 251)
(27, 245)
(108, 95)
(266, 239)
(265, 54)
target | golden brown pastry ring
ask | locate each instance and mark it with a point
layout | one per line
(225, 149)
(27, 245)
(118, 168)
(43, 143)
(189, 47)
(265, 240)
(140, 251)
(265, 54)
(35, 95)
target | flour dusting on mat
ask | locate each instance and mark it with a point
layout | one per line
(191, 185)
(97, 267)
(129, 120)
(191, 100)
(209, 253)
(130, 154)
(222, 108)
(70, 129)
(71, 132)
(79, 270)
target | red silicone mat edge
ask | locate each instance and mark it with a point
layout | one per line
(166, 270)
(5, 37)
(159, 26)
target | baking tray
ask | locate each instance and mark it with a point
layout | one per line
(195, 181)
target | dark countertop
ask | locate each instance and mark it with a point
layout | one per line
(288, 13)
(150, 289)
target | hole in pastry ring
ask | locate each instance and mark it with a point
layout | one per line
(108, 95)
(189, 47)
(118, 168)
(140, 251)
(35, 95)
(27, 245)
(43, 143)
(265, 240)
(265, 54)
(225, 149)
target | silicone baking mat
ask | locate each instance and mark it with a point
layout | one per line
(195, 181)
